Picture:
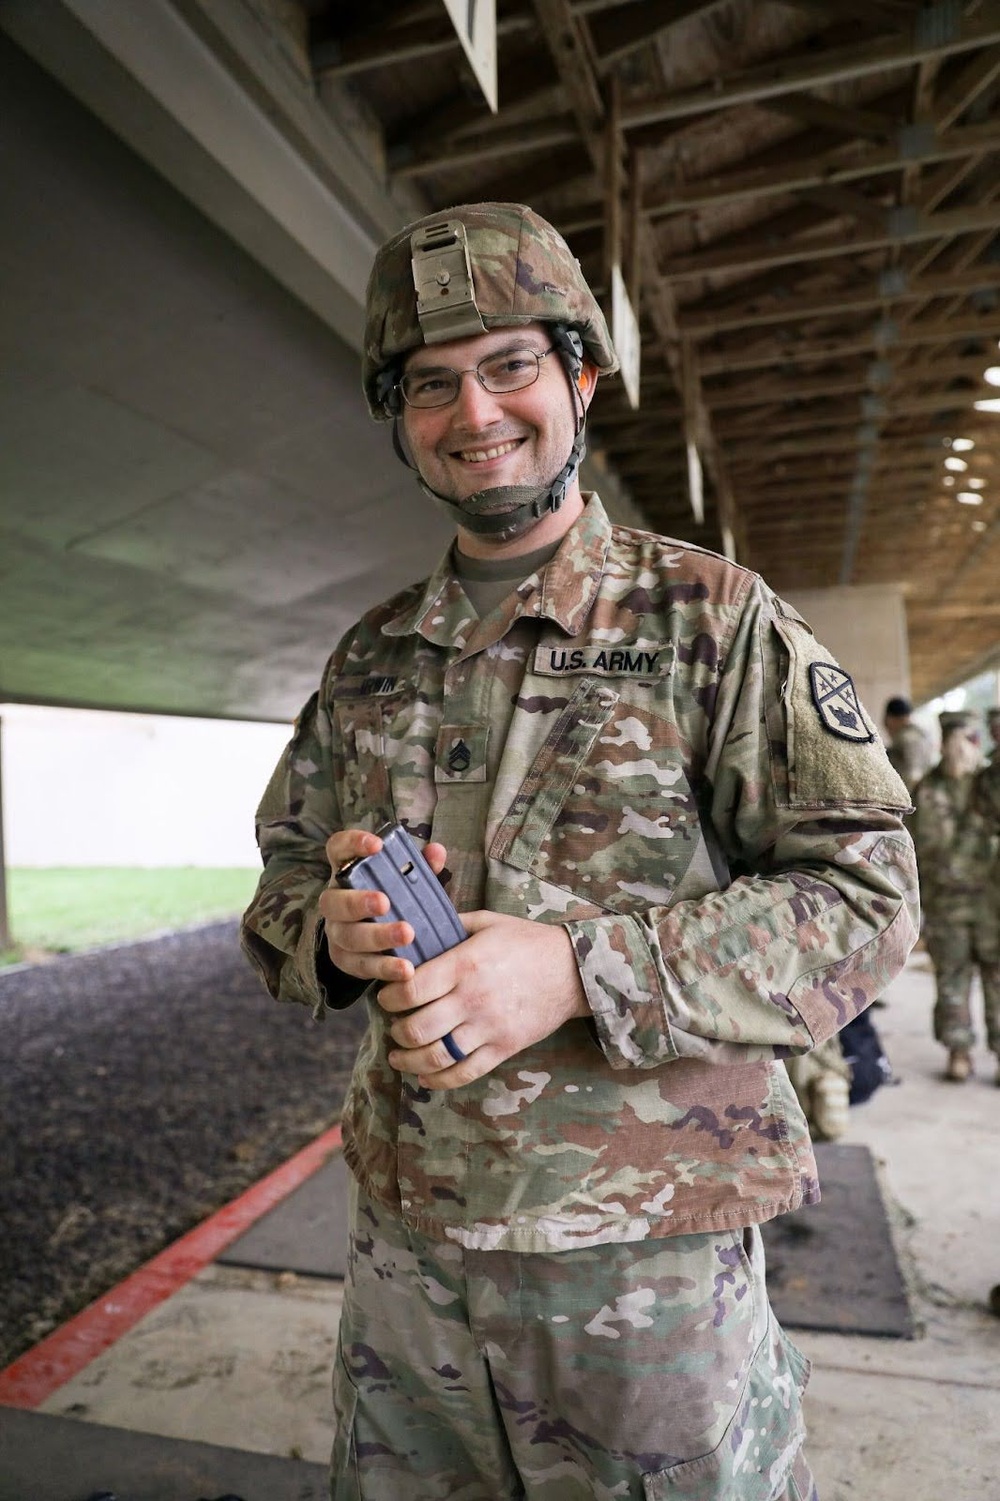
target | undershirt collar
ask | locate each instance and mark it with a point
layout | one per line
(488, 581)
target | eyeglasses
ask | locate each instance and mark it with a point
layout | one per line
(438, 386)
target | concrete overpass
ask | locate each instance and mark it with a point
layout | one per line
(193, 501)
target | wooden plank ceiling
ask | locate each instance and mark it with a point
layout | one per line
(806, 198)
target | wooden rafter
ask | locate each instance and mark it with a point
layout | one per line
(906, 227)
(819, 69)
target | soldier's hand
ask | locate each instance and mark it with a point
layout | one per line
(357, 945)
(511, 983)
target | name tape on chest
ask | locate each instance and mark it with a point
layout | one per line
(611, 661)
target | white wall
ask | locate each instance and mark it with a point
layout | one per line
(88, 788)
(864, 627)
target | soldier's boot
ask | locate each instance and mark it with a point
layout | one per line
(959, 1065)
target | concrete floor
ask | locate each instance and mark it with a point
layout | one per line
(920, 1420)
(242, 1358)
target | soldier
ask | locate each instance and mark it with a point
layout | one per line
(676, 842)
(910, 749)
(956, 851)
(822, 1083)
(986, 797)
(993, 726)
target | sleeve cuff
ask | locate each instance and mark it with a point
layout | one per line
(335, 989)
(621, 982)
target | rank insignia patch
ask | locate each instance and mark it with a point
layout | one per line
(459, 757)
(837, 703)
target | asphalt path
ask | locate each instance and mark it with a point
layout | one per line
(141, 1088)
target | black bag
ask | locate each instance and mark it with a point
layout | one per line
(862, 1048)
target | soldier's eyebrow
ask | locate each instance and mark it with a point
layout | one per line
(525, 341)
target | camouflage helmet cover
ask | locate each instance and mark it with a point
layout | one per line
(958, 719)
(522, 271)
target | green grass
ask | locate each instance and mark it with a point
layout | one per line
(63, 909)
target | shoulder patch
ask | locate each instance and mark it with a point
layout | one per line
(835, 755)
(837, 702)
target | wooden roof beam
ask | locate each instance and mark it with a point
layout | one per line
(808, 109)
(886, 13)
(820, 478)
(756, 393)
(934, 31)
(833, 416)
(532, 135)
(554, 171)
(379, 46)
(901, 227)
(641, 24)
(844, 442)
(846, 203)
(977, 76)
(779, 422)
(882, 390)
(894, 285)
(940, 611)
(911, 144)
(529, 91)
(883, 335)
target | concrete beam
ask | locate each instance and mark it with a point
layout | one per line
(283, 181)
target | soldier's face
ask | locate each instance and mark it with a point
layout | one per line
(485, 439)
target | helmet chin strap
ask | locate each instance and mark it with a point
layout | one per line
(509, 511)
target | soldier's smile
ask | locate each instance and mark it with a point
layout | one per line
(486, 439)
(486, 455)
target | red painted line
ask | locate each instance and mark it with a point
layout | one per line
(39, 1372)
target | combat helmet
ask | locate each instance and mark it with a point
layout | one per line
(958, 719)
(461, 272)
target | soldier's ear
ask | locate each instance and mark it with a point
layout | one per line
(586, 382)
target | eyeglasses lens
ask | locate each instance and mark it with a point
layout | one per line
(439, 387)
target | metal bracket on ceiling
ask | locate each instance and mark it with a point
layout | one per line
(934, 25)
(893, 281)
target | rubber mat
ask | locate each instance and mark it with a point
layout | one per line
(305, 1233)
(833, 1266)
(49, 1458)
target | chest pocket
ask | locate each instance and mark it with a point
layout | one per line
(370, 729)
(606, 810)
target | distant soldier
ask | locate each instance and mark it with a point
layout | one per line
(986, 796)
(822, 1082)
(909, 749)
(956, 856)
(993, 727)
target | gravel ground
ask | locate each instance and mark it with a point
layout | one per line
(141, 1088)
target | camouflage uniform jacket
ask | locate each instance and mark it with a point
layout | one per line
(986, 794)
(955, 845)
(986, 801)
(627, 746)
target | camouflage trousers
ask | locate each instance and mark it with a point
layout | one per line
(958, 945)
(650, 1371)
